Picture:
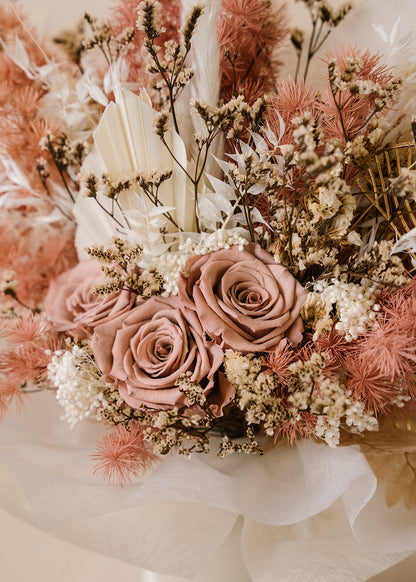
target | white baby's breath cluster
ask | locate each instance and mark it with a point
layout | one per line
(355, 304)
(326, 397)
(80, 384)
(171, 264)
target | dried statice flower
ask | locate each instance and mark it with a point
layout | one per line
(119, 264)
(360, 89)
(122, 21)
(324, 18)
(250, 447)
(193, 391)
(171, 70)
(404, 186)
(256, 392)
(326, 398)
(100, 35)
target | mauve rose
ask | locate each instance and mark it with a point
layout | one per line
(244, 299)
(72, 307)
(144, 351)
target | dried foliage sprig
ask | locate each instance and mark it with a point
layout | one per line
(172, 69)
(323, 18)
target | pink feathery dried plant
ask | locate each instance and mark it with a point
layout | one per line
(29, 362)
(123, 454)
(400, 308)
(10, 394)
(292, 99)
(347, 114)
(36, 253)
(279, 361)
(249, 34)
(300, 429)
(368, 384)
(27, 329)
(391, 351)
(25, 358)
(335, 345)
(20, 126)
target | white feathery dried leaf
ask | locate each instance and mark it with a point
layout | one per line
(86, 85)
(209, 212)
(406, 243)
(116, 77)
(13, 177)
(257, 189)
(271, 136)
(20, 57)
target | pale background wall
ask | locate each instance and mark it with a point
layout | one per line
(29, 554)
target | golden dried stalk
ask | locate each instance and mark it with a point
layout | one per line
(399, 214)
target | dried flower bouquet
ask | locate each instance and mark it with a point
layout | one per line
(192, 245)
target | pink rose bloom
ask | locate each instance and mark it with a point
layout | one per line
(72, 308)
(244, 299)
(144, 351)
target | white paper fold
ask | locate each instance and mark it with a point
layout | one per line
(303, 507)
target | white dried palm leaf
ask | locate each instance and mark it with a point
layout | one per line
(125, 143)
(204, 60)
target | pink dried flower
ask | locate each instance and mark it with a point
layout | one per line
(10, 393)
(388, 350)
(123, 454)
(27, 329)
(292, 99)
(368, 384)
(335, 345)
(279, 361)
(251, 31)
(302, 428)
(19, 95)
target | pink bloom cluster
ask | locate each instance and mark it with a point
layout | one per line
(229, 299)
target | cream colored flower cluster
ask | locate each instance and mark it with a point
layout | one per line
(327, 399)
(256, 392)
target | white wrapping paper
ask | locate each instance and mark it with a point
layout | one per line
(304, 507)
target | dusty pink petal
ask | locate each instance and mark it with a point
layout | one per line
(144, 351)
(244, 300)
(74, 309)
